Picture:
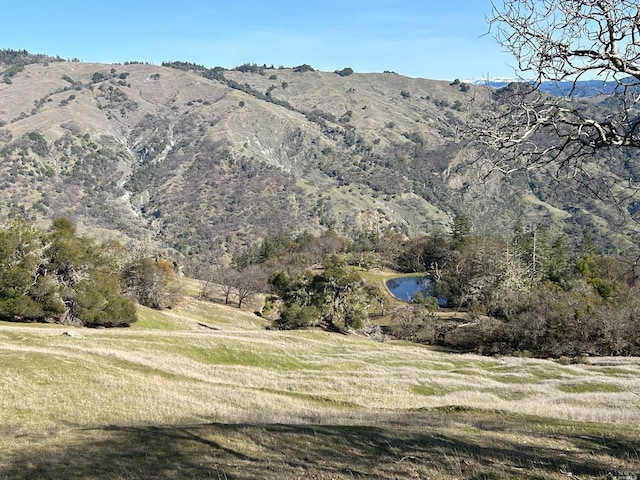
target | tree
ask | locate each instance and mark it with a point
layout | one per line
(334, 298)
(148, 281)
(345, 72)
(243, 283)
(431, 252)
(100, 302)
(85, 277)
(59, 277)
(25, 292)
(527, 130)
(460, 231)
(248, 283)
(303, 68)
(559, 40)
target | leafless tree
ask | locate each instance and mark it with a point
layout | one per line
(568, 40)
(249, 283)
(229, 282)
(572, 141)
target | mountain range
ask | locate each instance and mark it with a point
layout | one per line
(206, 161)
(577, 89)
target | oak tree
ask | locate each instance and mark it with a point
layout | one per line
(589, 148)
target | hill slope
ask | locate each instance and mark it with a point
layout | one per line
(206, 165)
(170, 399)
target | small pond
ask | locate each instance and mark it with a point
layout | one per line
(406, 288)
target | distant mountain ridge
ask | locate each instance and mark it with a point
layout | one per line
(581, 88)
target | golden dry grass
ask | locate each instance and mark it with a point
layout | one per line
(169, 398)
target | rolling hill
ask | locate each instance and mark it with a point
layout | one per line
(169, 399)
(204, 161)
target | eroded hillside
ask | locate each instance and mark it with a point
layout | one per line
(206, 165)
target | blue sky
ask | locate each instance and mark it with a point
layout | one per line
(419, 38)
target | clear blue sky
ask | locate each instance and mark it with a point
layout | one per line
(419, 38)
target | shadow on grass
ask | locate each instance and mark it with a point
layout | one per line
(483, 445)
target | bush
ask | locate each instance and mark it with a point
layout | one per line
(98, 77)
(345, 72)
(303, 68)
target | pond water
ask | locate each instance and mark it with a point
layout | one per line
(406, 288)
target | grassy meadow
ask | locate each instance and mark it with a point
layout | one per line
(205, 391)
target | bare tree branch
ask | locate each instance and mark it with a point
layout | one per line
(574, 142)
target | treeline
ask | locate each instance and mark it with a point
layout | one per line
(59, 276)
(532, 293)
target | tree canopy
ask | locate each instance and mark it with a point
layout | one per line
(333, 298)
(58, 276)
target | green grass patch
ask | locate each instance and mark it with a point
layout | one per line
(507, 394)
(149, 318)
(546, 373)
(240, 355)
(513, 379)
(429, 389)
(591, 387)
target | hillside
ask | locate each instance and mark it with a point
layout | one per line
(206, 161)
(168, 398)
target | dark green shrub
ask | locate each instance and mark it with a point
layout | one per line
(303, 68)
(345, 72)
(98, 77)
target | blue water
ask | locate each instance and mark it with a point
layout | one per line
(406, 288)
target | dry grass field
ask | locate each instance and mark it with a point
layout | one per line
(205, 391)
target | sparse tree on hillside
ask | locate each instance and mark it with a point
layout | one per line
(242, 284)
(226, 278)
(345, 72)
(249, 283)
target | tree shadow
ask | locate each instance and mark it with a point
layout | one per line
(420, 445)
